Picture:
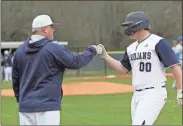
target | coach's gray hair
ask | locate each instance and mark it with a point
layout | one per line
(36, 30)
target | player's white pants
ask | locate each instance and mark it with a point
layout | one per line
(146, 105)
(174, 84)
(8, 73)
(180, 62)
(40, 118)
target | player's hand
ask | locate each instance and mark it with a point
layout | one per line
(98, 49)
(103, 52)
(179, 96)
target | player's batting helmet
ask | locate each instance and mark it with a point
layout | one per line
(136, 21)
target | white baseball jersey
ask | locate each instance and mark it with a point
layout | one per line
(173, 48)
(148, 61)
(178, 49)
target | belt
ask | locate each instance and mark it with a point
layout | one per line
(147, 88)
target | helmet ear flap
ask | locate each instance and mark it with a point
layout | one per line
(132, 28)
(135, 27)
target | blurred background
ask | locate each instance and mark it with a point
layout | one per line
(83, 23)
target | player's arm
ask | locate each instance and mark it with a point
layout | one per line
(177, 72)
(15, 76)
(115, 64)
(69, 60)
(121, 67)
(169, 60)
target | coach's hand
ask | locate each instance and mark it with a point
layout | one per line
(179, 96)
(103, 52)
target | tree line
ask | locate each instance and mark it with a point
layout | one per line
(83, 23)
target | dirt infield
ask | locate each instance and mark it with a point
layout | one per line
(91, 88)
(86, 88)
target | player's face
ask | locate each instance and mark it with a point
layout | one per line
(173, 45)
(180, 42)
(49, 32)
(134, 36)
(140, 35)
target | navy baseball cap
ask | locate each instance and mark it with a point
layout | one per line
(179, 38)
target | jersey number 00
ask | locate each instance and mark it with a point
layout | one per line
(145, 67)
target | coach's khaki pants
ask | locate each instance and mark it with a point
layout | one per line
(40, 118)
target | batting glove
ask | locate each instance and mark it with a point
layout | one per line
(97, 48)
(103, 52)
(179, 96)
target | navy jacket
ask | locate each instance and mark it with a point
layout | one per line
(38, 70)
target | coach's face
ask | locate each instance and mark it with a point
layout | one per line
(49, 32)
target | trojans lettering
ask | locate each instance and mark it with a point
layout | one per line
(140, 55)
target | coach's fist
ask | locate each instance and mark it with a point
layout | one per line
(179, 96)
(103, 52)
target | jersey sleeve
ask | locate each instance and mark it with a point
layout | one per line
(166, 54)
(178, 49)
(126, 62)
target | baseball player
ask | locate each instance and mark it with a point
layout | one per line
(178, 51)
(38, 69)
(174, 44)
(7, 66)
(1, 68)
(147, 58)
(178, 48)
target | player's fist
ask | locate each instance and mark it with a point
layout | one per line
(98, 49)
(103, 52)
(179, 96)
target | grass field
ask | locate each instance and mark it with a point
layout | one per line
(85, 72)
(97, 110)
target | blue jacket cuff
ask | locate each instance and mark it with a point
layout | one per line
(92, 49)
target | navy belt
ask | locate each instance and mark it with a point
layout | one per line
(147, 88)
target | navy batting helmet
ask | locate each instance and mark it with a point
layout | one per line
(136, 21)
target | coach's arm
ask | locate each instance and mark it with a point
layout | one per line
(122, 67)
(69, 60)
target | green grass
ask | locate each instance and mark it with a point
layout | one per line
(67, 78)
(85, 72)
(109, 52)
(99, 109)
(5, 85)
(115, 52)
(102, 109)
